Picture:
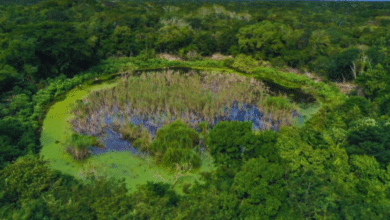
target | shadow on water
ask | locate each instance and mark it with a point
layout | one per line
(296, 95)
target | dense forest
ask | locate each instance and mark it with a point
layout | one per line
(335, 166)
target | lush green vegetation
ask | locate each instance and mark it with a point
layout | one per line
(335, 166)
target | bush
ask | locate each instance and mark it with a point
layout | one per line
(174, 144)
(228, 62)
(278, 102)
(184, 158)
(244, 63)
(147, 54)
(353, 101)
(130, 132)
(143, 141)
(176, 133)
(78, 145)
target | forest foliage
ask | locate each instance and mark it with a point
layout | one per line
(336, 166)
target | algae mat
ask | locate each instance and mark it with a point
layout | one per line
(122, 164)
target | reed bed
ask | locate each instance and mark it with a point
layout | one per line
(190, 97)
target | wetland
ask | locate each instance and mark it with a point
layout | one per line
(108, 128)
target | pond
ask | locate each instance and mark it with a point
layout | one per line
(120, 159)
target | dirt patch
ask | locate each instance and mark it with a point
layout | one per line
(169, 57)
(348, 87)
(313, 77)
(219, 56)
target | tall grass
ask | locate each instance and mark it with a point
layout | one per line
(77, 145)
(154, 93)
(188, 97)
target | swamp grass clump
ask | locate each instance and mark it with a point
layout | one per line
(129, 132)
(143, 141)
(77, 145)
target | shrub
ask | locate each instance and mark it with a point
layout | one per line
(244, 63)
(353, 101)
(173, 146)
(130, 132)
(278, 102)
(181, 157)
(77, 145)
(177, 131)
(228, 62)
(143, 141)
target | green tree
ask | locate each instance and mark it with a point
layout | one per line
(384, 105)
(319, 43)
(62, 49)
(29, 189)
(225, 39)
(311, 177)
(369, 137)
(261, 188)
(122, 40)
(172, 37)
(371, 198)
(19, 102)
(17, 139)
(262, 144)
(226, 142)
(375, 82)
(8, 77)
(154, 200)
(267, 39)
(19, 51)
(206, 42)
(339, 67)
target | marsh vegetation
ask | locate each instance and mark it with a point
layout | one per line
(167, 114)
